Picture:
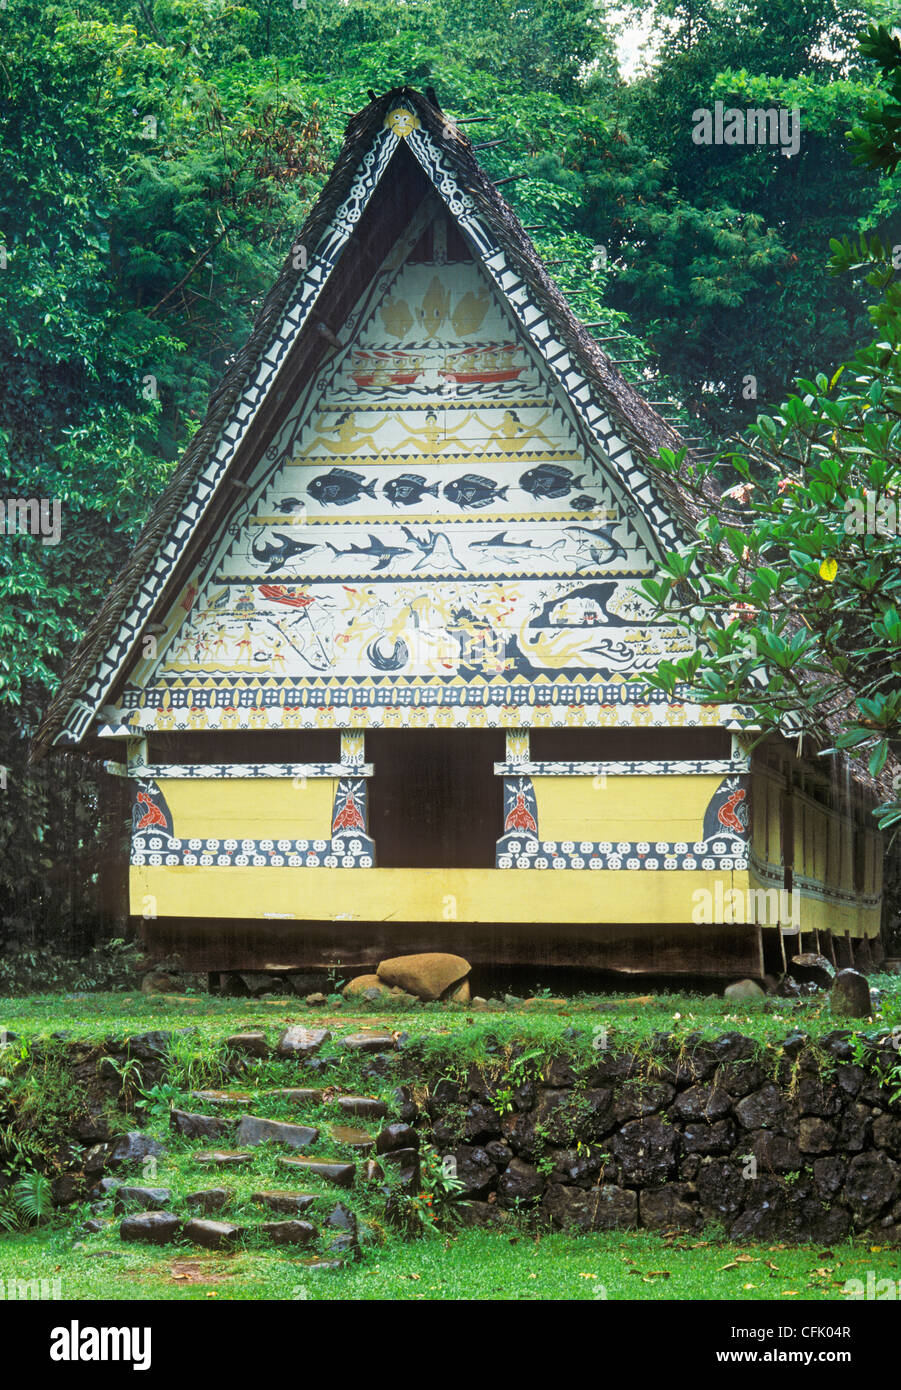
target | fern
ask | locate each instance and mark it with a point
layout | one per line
(33, 1197)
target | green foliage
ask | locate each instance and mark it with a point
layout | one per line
(793, 592)
(158, 155)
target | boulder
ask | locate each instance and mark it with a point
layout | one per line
(475, 1170)
(815, 1136)
(396, 1136)
(133, 1147)
(362, 984)
(850, 995)
(743, 989)
(427, 975)
(519, 1182)
(811, 968)
(605, 1208)
(406, 1164)
(668, 1208)
(646, 1151)
(873, 1183)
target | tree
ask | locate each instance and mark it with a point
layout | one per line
(793, 585)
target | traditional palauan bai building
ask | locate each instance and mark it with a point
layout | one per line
(375, 666)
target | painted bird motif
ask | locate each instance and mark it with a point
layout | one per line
(152, 816)
(728, 816)
(520, 817)
(349, 817)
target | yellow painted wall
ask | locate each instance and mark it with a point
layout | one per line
(424, 895)
(823, 856)
(250, 808)
(623, 808)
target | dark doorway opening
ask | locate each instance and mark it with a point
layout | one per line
(434, 801)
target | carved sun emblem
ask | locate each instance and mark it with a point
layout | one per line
(402, 121)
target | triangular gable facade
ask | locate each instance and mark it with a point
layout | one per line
(418, 497)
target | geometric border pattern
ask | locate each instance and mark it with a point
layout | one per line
(523, 852)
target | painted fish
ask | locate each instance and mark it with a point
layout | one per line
(275, 553)
(550, 480)
(583, 503)
(408, 489)
(473, 491)
(288, 504)
(381, 553)
(599, 541)
(500, 542)
(341, 487)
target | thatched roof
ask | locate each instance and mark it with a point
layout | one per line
(636, 421)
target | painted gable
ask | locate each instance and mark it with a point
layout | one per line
(430, 527)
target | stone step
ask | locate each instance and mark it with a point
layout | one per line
(193, 1126)
(151, 1227)
(212, 1235)
(297, 1095)
(248, 1044)
(357, 1139)
(141, 1198)
(298, 1041)
(222, 1158)
(366, 1107)
(209, 1199)
(288, 1232)
(289, 1203)
(342, 1174)
(254, 1130)
(369, 1041)
(236, 1098)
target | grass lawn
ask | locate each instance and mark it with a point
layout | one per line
(480, 1265)
(628, 1019)
(509, 1263)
